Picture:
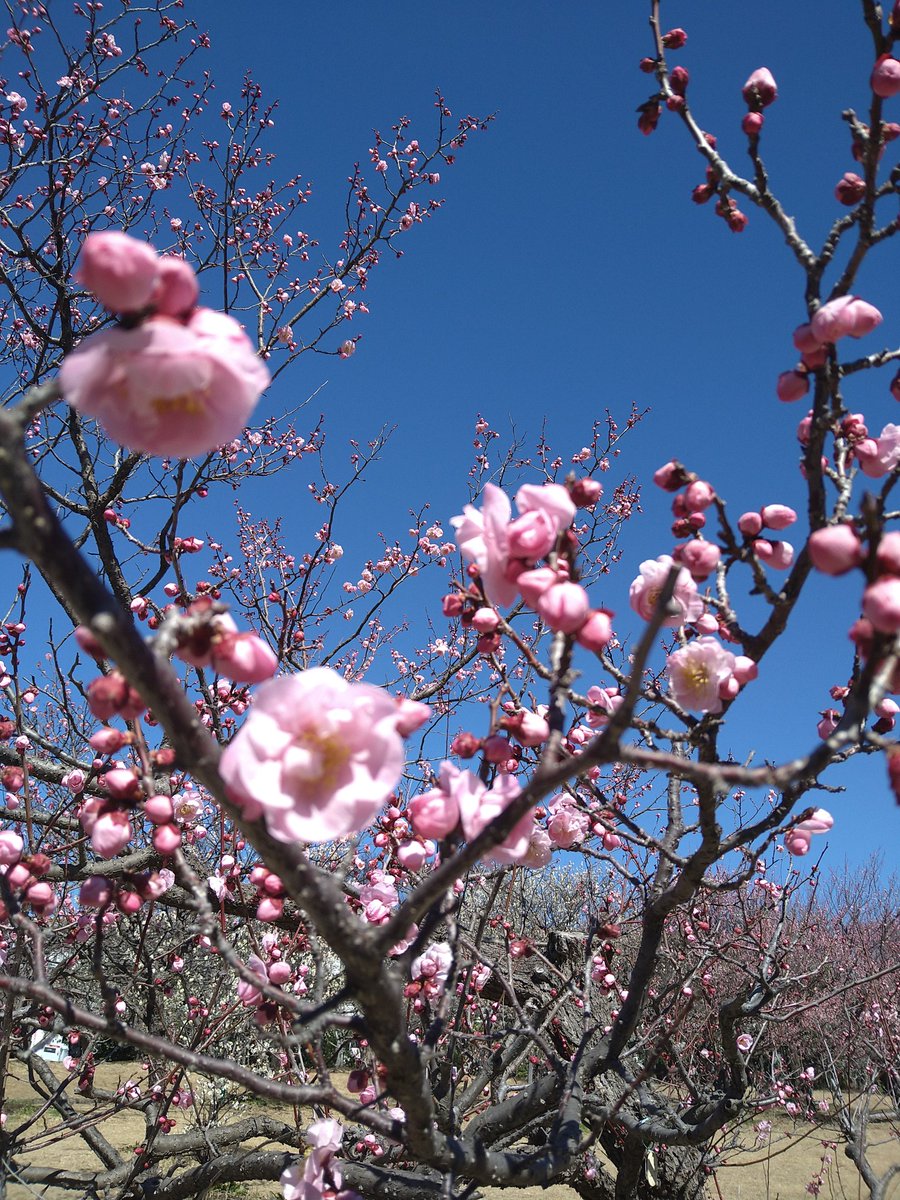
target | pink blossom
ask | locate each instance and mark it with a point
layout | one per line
(540, 850)
(797, 842)
(121, 271)
(697, 671)
(568, 825)
(845, 316)
(551, 499)
(318, 756)
(879, 456)
(411, 715)
(477, 809)
(645, 590)
(533, 584)
(532, 535)
(243, 657)
(165, 387)
(433, 965)
(744, 1043)
(819, 820)
(483, 538)
(309, 1183)
(607, 700)
(435, 813)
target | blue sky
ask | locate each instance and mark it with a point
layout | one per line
(569, 271)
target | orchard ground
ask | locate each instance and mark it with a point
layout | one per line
(779, 1169)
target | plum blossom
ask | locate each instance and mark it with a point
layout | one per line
(797, 839)
(645, 591)
(697, 672)
(433, 966)
(309, 1182)
(879, 456)
(483, 539)
(167, 387)
(317, 756)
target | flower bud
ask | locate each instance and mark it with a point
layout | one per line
(835, 550)
(850, 189)
(792, 385)
(885, 80)
(760, 90)
(120, 270)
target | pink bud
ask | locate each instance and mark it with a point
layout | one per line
(804, 339)
(881, 604)
(111, 832)
(750, 524)
(485, 620)
(533, 584)
(701, 558)
(699, 495)
(846, 316)
(674, 39)
(128, 903)
(835, 550)
(11, 846)
(671, 476)
(888, 554)
(585, 492)
(782, 556)
(596, 632)
(564, 607)
(885, 81)
(107, 740)
(269, 909)
(752, 124)
(95, 892)
(745, 669)
(777, 516)
(412, 855)
(159, 809)
(496, 748)
(760, 90)
(280, 973)
(166, 839)
(792, 385)
(119, 270)
(121, 784)
(176, 289)
(796, 842)
(850, 189)
(40, 897)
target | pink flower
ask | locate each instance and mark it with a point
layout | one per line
(433, 965)
(165, 387)
(643, 595)
(760, 90)
(120, 270)
(797, 842)
(819, 820)
(568, 825)
(532, 535)
(478, 808)
(11, 846)
(435, 813)
(835, 550)
(846, 316)
(607, 700)
(879, 456)
(696, 673)
(309, 1183)
(483, 538)
(551, 499)
(317, 756)
(744, 1043)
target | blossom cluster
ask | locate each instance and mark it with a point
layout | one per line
(170, 378)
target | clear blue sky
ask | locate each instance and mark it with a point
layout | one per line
(569, 271)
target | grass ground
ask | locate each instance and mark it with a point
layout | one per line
(779, 1167)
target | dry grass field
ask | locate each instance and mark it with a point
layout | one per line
(780, 1168)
